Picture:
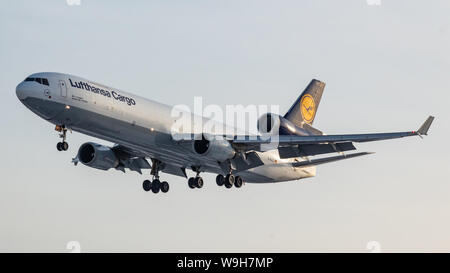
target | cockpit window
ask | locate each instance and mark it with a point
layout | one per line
(39, 80)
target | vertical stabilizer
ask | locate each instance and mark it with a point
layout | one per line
(305, 107)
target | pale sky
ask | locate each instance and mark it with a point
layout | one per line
(386, 67)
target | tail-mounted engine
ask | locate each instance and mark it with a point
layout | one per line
(273, 124)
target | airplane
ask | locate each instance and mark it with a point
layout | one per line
(142, 131)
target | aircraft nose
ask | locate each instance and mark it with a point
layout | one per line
(21, 91)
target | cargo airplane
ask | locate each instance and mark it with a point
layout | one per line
(142, 131)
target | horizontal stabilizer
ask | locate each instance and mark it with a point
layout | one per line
(319, 161)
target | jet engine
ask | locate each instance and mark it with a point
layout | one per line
(217, 149)
(97, 156)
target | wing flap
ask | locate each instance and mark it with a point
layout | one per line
(174, 170)
(249, 161)
(314, 149)
(319, 161)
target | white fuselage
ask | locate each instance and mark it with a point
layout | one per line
(136, 122)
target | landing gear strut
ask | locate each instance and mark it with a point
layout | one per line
(63, 145)
(155, 186)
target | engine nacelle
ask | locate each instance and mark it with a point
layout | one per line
(273, 124)
(217, 149)
(269, 124)
(97, 156)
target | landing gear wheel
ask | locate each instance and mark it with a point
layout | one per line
(220, 180)
(147, 185)
(238, 182)
(229, 180)
(191, 183)
(59, 146)
(164, 187)
(198, 182)
(156, 186)
(64, 146)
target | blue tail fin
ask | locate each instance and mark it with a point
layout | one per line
(305, 107)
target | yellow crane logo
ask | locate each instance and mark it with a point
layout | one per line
(308, 108)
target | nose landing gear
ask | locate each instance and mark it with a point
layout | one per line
(63, 145)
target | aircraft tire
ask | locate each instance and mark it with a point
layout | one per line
(220, 180)
(164, 186)
(64, 146)
(238, 182)
(156, 186)
(229, 180)
(191, 183)
(59, 146)
(147, 185)
(198, 182)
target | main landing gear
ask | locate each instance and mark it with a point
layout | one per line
(63, 145)
(195, 182)
(229, 180)
(155, 186)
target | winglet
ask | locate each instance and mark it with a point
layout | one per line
(423, 130)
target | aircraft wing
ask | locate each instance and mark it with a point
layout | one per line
(255, 142)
